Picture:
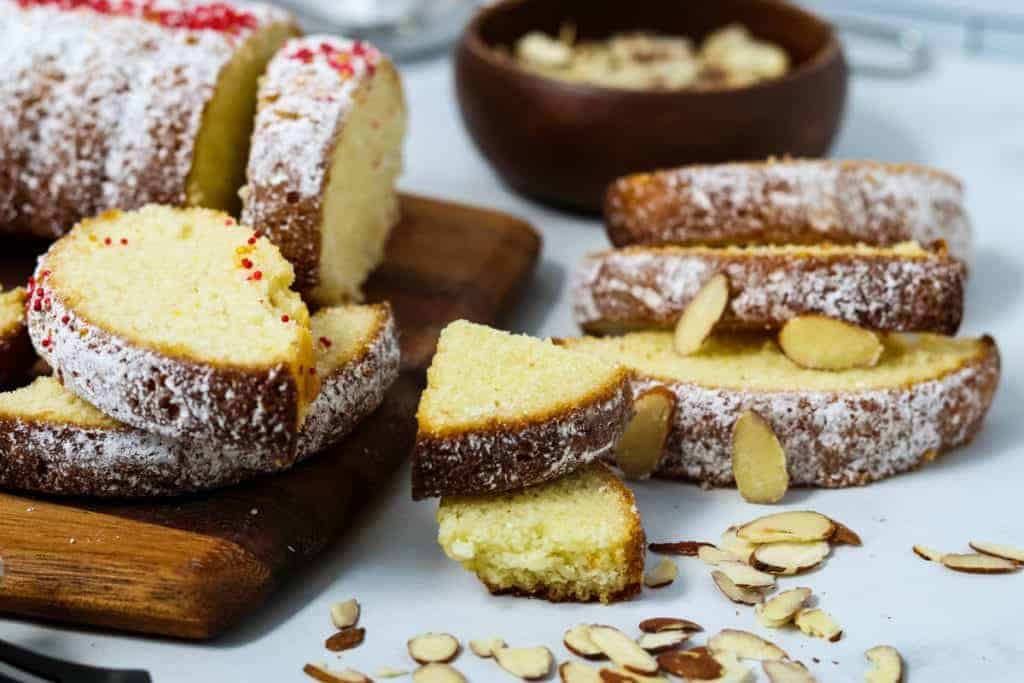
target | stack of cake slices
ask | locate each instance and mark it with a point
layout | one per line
(788, 321)
(512, 431)
(182, 360)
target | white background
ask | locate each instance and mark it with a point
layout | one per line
(966, 116)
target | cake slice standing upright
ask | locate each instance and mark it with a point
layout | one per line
(503, 411)
(326, 150)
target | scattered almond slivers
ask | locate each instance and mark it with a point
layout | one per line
(926, 553)
(739, 547)
(696, 664)
(321, 673)
(779, 610)
(623, 650)
(744, 645)
(789, 558)
(528, 663)
(659, 624)
(618, 675)
(665, 640)
(746, 576)
(681, 548)
(437, 672)
(663, 574)
(978, 563)
(390, 672)
(758, 460)
(821, 343)
(713, 556)
(701, 315)
(345, 614)
(577, 672)
(743, 596)
(1003, 550)
(818, 623)
(639, 450)
(430, 648)
(787, 672)
(486, 647)
(577, 640)
(795, 527)
(345, 640)
(844, 535)
(887, 665)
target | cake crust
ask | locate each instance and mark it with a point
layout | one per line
(639, 287)
(515, 454)
(790, 201)
(121, 461)
(832, 439)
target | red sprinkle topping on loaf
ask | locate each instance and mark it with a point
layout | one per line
(214, 16)
(340, 59)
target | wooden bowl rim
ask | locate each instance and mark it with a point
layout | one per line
(471, 40)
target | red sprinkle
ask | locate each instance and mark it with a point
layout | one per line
(246, 263)
(124, 241)
(325, 342)
(107, 241)
(304, 55)
(213, 16)
(65, 319)
(285, 318)
(229, 221)
(312, 371)
(46, 343)
(258, 275)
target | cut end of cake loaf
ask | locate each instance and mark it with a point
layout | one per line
(502, 411)
(173, 319)
(327, 149)
(16, 353)
(45, 400)
(577, 538)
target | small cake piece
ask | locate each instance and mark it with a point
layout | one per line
(16, 354)
(902, 288)
(326, 150)
(790, 201)
(118, 104)
(177, 321)
(577, 538)
(927, 394)
(504, 411)
(53, 442)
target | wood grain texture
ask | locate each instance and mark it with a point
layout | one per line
(192, 567)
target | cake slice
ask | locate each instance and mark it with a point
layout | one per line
(177, 321)
(16, 354)
(902, 288)
(576, 538)
(504, 411)
(927, 394)
(326, 150)
(790, 201)
(53, 442)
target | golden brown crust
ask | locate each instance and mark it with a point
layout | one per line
(518, 453)
(789, 202)
(639, 287)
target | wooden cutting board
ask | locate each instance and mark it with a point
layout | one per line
(192, 567)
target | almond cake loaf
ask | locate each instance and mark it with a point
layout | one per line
(53, 442)
(326, 150)
(119, 103)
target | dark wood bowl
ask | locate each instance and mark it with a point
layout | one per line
(563, 142)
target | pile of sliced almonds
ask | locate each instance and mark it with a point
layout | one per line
(988, 558)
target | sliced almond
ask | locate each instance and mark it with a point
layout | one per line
(779, 610)
(820, 343)
(795, 527)
(433, 647)
(926, 553)
(758, 460)
(695, 664)
(345, 614)
(623, 650)
(577, 672)
(886, 665)
(321, 673)
(844, 535)
(732, 670)
(529, 663)
(739, 547)
(744, 645)
(437, 672)
(345, 640)
(577, 641)
(746, 576)
(743, 596)
(713, 556)
(664, 573)
(789, 558)
(485, 647)
(787, 672)
(665, 640)
(390, 672)
(972, 563)
(818, 623)
(639, 450)
(1003, 550)
(681, 548)
(701, 315)
(618, 675)
(660, 624)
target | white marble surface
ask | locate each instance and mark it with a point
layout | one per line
(967, 116)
